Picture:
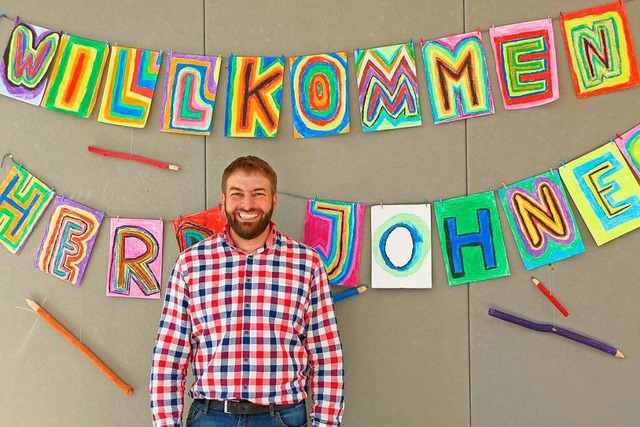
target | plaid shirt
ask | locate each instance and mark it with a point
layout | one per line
(254, 326)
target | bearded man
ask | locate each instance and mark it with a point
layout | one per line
(251, 310)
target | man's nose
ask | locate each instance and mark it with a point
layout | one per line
(247, 203)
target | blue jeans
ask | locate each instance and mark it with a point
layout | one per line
(293, 417)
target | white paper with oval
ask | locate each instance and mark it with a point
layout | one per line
(401, 246)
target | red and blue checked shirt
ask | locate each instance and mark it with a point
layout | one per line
(256, 326)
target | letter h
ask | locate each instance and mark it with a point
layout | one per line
(455, 242)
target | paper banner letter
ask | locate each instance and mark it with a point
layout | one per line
(319, 94)
(194, 228)
(457, 77)
(254, 94)
(600, 49)
(23, 200)
(135, 258)
(68, 240)
(334, 229)
(129, 86)
(525, 57)
(388, 87)
(401, 246)
(75, 77)
(541, 220)
(471, 238)
(605, 192)
(190, 87)
(23, 69)
(629, 145)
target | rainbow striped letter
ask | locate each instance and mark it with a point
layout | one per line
(190, 87)
(629, 145)
(388, 87)
(541, 220)
(254, 93)
(135, 255)
(23, 69)
(319, 94)
(75, 78)
(68, 240)
(130, 83)
(526, 63)
(600, 49)
(334, 230)
(471, 238)
(23, 199)
(605, 192)
(457, 77)
(194, 228)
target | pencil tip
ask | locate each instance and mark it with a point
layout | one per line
(34, 306)
(619, 354)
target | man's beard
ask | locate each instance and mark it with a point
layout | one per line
(252, 230)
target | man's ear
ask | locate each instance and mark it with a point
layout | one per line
(275, 200)
(222, 198)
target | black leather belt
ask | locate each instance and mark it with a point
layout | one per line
(243, 407)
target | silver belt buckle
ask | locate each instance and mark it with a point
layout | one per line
(226, 402)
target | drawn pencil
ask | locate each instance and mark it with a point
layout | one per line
(119, 155)
(547, 327)
(349, 293)
(127, 389)
(550, 296)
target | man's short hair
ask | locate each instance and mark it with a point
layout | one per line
(250, 164)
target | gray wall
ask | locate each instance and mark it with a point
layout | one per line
(413, 357)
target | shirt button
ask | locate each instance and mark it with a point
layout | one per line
(246, 359)
(244, 386)
(246, 332)
(247, 305)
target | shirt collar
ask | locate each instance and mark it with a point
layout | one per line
(270, 242)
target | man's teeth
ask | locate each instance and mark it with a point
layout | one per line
(245, 215)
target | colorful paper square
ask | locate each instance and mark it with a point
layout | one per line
(194, 228)
(388, 87)
(23, 68)
(605, 191)
(334, 229)
(254, 96)
(190, 87)
(135, 258)
(401, 246)
(68, 240)
(600, 49)
(457, 77)
(129, 86)
(23, 200)
(319, 94)
(471, 238)
(75, 76)
(525, 58)
(541, 220)
(629, 145)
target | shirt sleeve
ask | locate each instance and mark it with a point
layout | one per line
(325, 355)
(171, 354)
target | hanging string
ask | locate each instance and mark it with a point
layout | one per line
(10, 158)
(553, 291)
(298, 196)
